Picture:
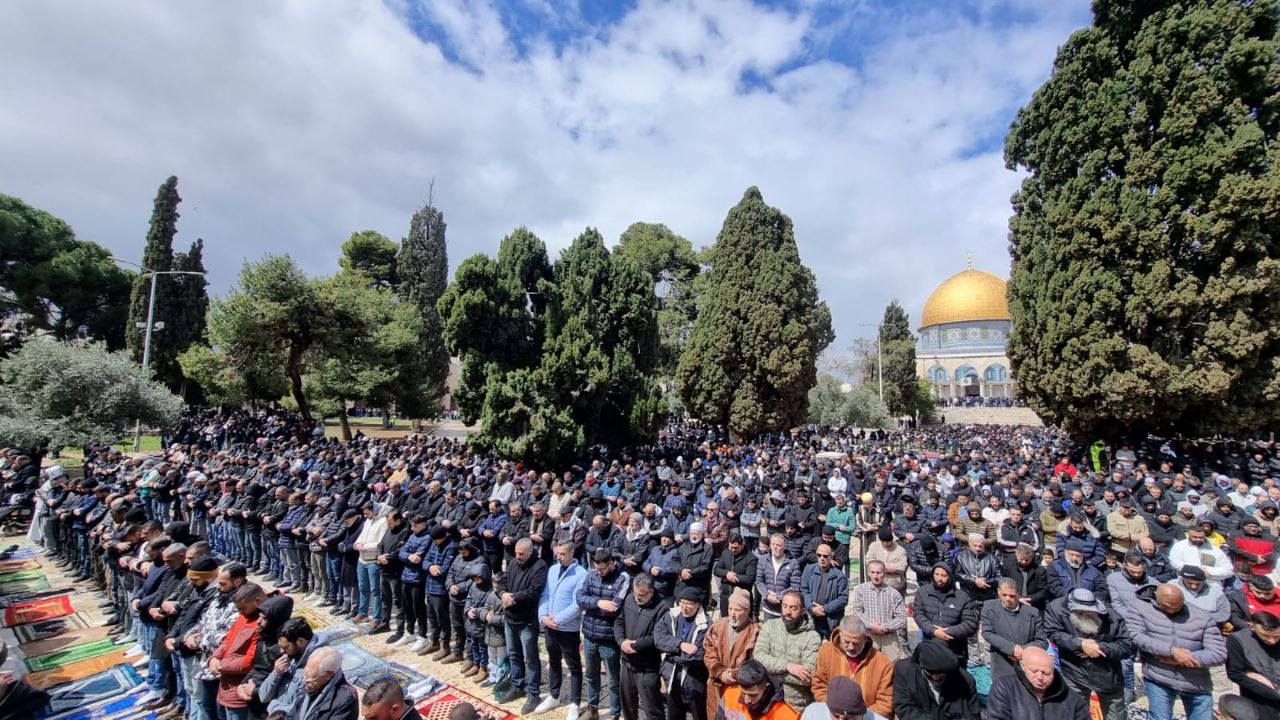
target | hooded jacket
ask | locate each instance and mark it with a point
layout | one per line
(636, 623)
(1011, 698)
(949, 608)
(690, 668)
(914, 699)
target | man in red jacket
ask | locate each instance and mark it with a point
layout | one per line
(233, 659)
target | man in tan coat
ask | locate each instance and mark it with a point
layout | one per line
(1126, 527)
(730, 641)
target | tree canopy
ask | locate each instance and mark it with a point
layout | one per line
(372, 255)
(858, 406)
(62, 284)
(1145, 288)
(671, 263)
(55, 395)
(751, 358)
(898, 356)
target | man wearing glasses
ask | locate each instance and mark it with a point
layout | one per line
(825, 588)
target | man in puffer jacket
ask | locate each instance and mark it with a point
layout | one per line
(412, 579)
(1093, 645)
(1179, 643)
(1035, 690)
(1087, 537)
(436, 563)
(601, 597)
(458, 585)
(977, 570)
(1123, 586)
(945, 612)
(679, 634)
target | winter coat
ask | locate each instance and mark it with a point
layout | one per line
(1063, 579)
(442, 554)
(1156, 634)
(636, 623)
(830, 590)
(597, 624)
(1103, 674)
(335, 701)
(415, 544)
(743, 565)
(525, 581)
(1033, 582)
(949, 608)
(482, 601)
(636, 550)
(1011, 698)
(697, 558)
(719, 656)
(292, 519)
(667, 561)
(610, 539)
(1093, 549)
(873, 671)
(969, 567)
(776, 647)
(785, 577)
(559, 596)
(1123, 590)
(688, 668)
(1246, 654)
(460, 574)
(1004, 630)
(1008, 536)
(495, 524)
(389, 545)
(236, 653)
(913, 698)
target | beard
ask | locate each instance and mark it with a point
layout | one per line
(1086, 623)
(1073, 565)
(792, 625)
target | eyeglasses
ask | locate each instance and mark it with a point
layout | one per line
(824, 555)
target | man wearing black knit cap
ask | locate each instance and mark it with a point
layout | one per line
(844, 701)
(679, 635)
(932, 684)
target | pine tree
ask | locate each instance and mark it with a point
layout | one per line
(751, 358)
(157, 255)
(898, 354)
(422, 268)
(187, 307)
(1144, 283)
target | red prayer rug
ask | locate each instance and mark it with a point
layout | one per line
(38, 610)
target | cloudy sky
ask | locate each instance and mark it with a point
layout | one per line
(876, 125)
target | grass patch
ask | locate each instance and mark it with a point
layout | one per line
(70, 458)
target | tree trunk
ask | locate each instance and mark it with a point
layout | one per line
(342, 420)
(295, 380)
(386, 418)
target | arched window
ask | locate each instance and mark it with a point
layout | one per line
(964, 371)
(938, 374)
(995, 373)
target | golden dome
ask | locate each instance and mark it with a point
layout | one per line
(966, 296)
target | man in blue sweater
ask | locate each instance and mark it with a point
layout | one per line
(561, 619)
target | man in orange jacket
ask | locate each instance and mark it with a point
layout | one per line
(850, 653)
(757, 696)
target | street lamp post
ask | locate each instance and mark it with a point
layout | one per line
(146, 338)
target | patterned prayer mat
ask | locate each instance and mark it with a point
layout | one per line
(440, 705)
(61, 642)
(50, 628)
(105, 685)
(76, 670)
(19, 575)
(113, 704)
(66, 656)
(38, 610)
(357, 661)
(317, 619)
(22, 553)
(407, 677)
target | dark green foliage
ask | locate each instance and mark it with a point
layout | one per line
(1145, 289)
(188, 302)
(750, 360)
(372, 255)
(60, 283)
(422, 267)
(602, 340)
(156, 255)
(553, 359)
(671, 263)
(899, 358)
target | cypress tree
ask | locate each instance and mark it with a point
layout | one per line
(751, 358)
(187, 307)
(157, 255)
(898, 354)
(422, 267)
(1144, 287)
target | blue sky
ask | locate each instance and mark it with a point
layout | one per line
(877, 126)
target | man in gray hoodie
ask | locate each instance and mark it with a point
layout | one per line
(1179, 643)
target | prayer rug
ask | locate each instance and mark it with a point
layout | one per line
(75, 704)
(407, 677)
(62, 642)
(339, 632)
(357, 661)
(49, 628)
(38, 610)
(77, 670)
(314, 618)
(22, 553)
(27, 585)
(18, 598)
(66, 656)
(440, 705)
(19, 575)
(8, 566)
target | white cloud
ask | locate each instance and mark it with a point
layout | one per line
(292, 124)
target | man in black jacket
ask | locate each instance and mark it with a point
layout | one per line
(328, 694)
(201, 574)
(736, 568)
(1092, 643)
(523, 581)
(390, 569)
(1035, 690)
(1253, 662)
(1030, 576)
(931, 684)
(641, 661)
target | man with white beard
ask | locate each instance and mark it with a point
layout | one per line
(1092, 642)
